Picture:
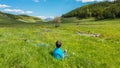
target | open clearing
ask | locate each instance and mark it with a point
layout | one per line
(31, 45)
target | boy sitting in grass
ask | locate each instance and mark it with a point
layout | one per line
(57, 53)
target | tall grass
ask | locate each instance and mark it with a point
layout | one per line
(31, 45)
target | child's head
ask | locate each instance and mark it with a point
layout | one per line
(58, 44)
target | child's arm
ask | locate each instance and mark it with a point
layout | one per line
(61, 56)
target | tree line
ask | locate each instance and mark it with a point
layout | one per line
(101, 10)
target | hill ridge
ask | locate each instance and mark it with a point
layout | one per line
(11, 18)
(100, 10)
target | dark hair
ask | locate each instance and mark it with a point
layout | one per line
(58, 44)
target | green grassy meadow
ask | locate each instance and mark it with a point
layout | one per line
(31, 45)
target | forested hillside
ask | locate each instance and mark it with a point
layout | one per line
(101, 10)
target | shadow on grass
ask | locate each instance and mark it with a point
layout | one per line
(51, 53)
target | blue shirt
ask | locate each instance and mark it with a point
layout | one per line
(57, 53)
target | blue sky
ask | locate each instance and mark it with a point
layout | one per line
(42, 8)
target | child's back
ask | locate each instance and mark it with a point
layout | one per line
(57, 53)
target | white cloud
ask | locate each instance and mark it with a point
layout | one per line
(44, 17)
(14, 10)
(29, 12)
(19, 11)
(93, 0)
(4, 6)
(84, 0)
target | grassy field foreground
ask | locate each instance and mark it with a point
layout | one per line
(31, 45)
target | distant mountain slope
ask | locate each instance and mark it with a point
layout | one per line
(101, 10)
(10, 18)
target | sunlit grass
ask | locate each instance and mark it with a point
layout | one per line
(21, 45)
